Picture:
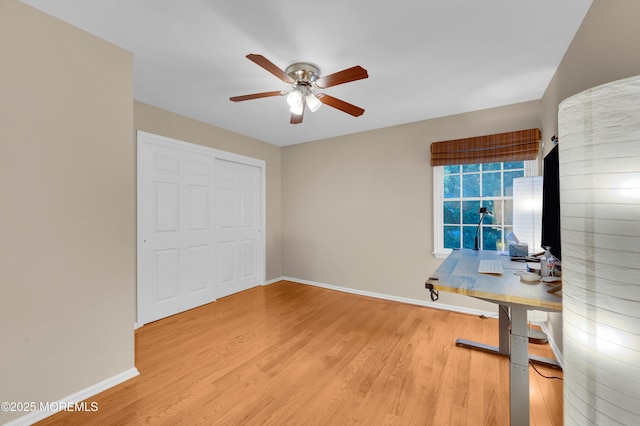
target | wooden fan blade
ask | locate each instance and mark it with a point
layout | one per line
(257, 96)
(271, 67)
(340, 104)
(296, 118)
(341, 77)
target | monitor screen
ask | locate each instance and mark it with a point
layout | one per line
(551, 203)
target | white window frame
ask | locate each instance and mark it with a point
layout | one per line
(530, 169)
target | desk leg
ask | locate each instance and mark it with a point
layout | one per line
(503, 342)
(503, 336)
(519, 368)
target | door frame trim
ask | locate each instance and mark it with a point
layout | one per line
(163, 141)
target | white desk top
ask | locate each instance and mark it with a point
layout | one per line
(459, 274)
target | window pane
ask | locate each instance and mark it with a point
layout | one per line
(471, 185)
(452, 237)
(495, 207)
(491, 166)
(508, 181)
(508, 212)
(469, 236)
(470, 168)
(514, 165)
(451, 211)
(451, 170)
(452, 186)
(491, 185)
(491, 236)
(470, 212)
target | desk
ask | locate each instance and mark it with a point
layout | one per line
(459, 274)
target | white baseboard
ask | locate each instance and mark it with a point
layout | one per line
(273, 281)
(554, 348)
(425, 303)
(77, 397)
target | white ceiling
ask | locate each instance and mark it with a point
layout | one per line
(425, 58)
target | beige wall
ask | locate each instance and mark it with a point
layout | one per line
(357, 210)
(604, 49)
(161, 122)
(67, 208)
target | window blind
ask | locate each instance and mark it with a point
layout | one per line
(510, 146)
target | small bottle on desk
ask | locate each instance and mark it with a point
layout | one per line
(551, 266)
(546, 262)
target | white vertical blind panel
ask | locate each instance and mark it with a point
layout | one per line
(599, 133)
(527, 211)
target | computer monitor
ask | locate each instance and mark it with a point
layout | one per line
(551, 203)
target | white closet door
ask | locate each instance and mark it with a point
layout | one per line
(238, 189)
(176, 263)
(200, 216)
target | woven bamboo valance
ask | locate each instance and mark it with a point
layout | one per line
(511, 146)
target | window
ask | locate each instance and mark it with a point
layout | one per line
(460, 190)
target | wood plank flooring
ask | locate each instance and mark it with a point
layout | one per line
(292, 354)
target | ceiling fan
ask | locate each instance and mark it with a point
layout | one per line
(305, 78)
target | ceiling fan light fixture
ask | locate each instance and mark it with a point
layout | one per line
(312, 102)
(297, 109)
(294, 98)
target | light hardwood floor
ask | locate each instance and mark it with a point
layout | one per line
(292, 354)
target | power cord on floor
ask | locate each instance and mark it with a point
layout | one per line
(542, 375)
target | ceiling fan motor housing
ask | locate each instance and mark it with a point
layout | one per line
(303, 72)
